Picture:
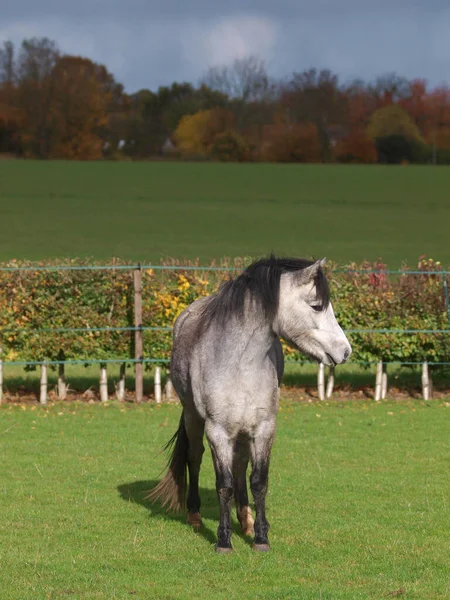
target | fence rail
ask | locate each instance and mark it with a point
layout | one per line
(139, 359)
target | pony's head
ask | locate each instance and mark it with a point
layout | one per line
(305, 316)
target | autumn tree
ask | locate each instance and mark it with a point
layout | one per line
(153, 117)
(196, 134)
(315, 97)
(35, 92)
(291, 143)
(356, 147)
(10, 115)
(438, 130)
(229, 146)
(82, 94)
(248, 88)
(388, 89)
(393, 120)
(395, 135)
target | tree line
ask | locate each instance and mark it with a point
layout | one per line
(54, 105)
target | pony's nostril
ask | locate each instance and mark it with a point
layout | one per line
(346, 354)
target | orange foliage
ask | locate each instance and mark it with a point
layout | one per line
(430, 110)
(416, 104)
(79, 109)
(356, 148)
(196, 134)
(359, 108)
(290, 143)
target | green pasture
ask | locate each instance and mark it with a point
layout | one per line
(151, 211)
(358, 503)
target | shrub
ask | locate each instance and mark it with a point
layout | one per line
(355, 148)
(396, 149)
(291, 143)
(229, 146)
(48, 299)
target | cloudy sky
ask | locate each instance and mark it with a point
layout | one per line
(148, 43)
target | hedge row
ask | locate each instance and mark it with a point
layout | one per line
(31, 300)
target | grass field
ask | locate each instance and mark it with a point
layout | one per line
(358, 502)
(149, 211)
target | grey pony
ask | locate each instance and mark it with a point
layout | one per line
(226, 367)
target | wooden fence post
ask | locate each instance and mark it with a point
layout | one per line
(378, 381)
(426, 382)
(321, 381)
(103, 383)
(1, 376)
(43, 388)
(168, 388)
(62, 387)
(158, 385)
(138, 345)
(330, 383)
(120, 387)
(384, 382)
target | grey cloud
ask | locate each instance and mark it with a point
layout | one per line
(138, 9)
(149, 43)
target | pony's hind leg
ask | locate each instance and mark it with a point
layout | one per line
(260, 448)
(240, 463)
(222, 453)
(194, 429)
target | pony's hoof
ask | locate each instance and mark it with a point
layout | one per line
(261, 547)
(194, 519)
(221, 550)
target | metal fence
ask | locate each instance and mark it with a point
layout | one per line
(140, 359)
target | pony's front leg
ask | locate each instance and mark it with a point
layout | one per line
(260, 448)
(222, 453)
(240, 463)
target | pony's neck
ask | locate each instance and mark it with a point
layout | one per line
(252, 336)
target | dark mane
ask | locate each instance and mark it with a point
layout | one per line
(262, 281)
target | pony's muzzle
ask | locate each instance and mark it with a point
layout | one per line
(343, 355)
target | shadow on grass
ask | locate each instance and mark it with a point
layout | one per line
(137, 492)
(29, 383)
(406, 379)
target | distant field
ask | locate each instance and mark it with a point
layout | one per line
(150, 211)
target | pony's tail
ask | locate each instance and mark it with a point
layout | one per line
(171, 490)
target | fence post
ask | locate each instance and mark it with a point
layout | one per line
(384, 381)
(158, 385)
(447, 304)
(43, 387)
(62, 387)
(168, 388)
(321, 381)
(330, 383)
(1, 376)
(103, 383)
(120, 388)
(138, 345)
(378, 381)
(425, 382)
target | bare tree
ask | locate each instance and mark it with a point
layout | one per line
(315, 96)
(37, 59)
(391, 86)
(246, 79)
(7, 63)
(249, 89)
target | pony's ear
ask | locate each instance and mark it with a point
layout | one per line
(308, 273)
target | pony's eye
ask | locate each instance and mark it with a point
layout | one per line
(317, 308)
